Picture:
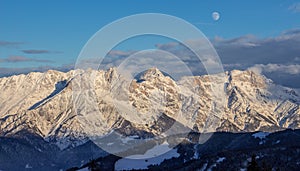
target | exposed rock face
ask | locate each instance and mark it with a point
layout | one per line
(67, 108)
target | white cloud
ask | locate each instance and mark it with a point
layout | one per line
(270, 68)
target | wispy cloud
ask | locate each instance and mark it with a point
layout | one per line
(15, 59)
(10, 44)
(295, 7)
(119, 53)
(39, 51)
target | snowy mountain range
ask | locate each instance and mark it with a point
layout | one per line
(68, 108)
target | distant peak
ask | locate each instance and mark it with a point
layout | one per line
(239, 73)
(53, 72)
(151, 73)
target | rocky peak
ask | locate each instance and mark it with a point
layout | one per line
(151, 73)
(247, 79)
(111, 74)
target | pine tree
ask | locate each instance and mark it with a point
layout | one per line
(253, 166)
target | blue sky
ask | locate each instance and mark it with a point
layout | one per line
(51, 33)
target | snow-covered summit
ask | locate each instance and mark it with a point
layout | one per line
(47, 103)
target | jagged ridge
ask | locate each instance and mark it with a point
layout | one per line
(49, 104)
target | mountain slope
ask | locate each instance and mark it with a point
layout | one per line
(67, 108)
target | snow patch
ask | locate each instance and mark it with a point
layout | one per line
(211, 167)
(261, 136)
(109, 144)
(28, 166)
(203, 167)
(221, 159)
(129, 138)
(151, 157)
(83, 169)
(196, 154)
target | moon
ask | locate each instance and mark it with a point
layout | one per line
(215, 16)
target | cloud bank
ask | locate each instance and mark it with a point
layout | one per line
(277, 57)
(292, 69)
